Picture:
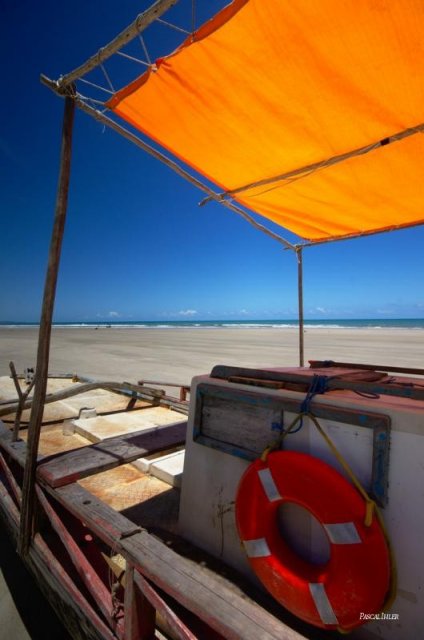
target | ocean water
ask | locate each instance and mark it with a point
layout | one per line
(364, 323)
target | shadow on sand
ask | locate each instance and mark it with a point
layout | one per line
(33, 613)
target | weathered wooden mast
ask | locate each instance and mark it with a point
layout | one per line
(41, 373)
(299, 256)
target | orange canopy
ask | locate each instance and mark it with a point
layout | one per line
(270, 87)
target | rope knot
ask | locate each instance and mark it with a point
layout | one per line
(318, 385)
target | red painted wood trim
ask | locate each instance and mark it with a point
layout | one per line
(11, 480)
(85, 570)
(140, 615)
(215, 602)
(8, 506)
(52, 565)
(178, 627)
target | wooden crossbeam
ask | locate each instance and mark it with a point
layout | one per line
(404, 388)
(140, 24)
(73, 465)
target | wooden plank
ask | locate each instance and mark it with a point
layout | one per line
(184, 388)
(212, 598)
(179, 629)
(248, 427)
(8, 509)
(113, 452)
(17, 492)
(336, 380)
(16, 450)
(140, 614)
(109, 525)
(255, 382)
(320, 364)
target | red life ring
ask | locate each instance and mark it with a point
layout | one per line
(356, 578)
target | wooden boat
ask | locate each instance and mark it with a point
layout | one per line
(116, 549)
(120, 554)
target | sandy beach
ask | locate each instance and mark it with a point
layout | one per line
(178, 354)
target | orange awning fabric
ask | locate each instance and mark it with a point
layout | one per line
(270, 87)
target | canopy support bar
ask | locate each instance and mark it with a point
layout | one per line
(178, 169)
(101, 117)
(299, 255)
(303, 172)
(142, 21)
(41, 373)
(362, 234)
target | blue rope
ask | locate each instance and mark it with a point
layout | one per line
(318, 385)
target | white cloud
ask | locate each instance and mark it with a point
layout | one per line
(187, 312)
(113, 314)
(321, 309)
(244, 311)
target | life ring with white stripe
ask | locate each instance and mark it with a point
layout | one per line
(356, 578)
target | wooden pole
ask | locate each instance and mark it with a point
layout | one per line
(28, 491)
(299, 255)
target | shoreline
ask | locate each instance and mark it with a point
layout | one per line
(400, 323)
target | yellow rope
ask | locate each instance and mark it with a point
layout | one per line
(371, 506)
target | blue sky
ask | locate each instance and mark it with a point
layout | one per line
(137, 246)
